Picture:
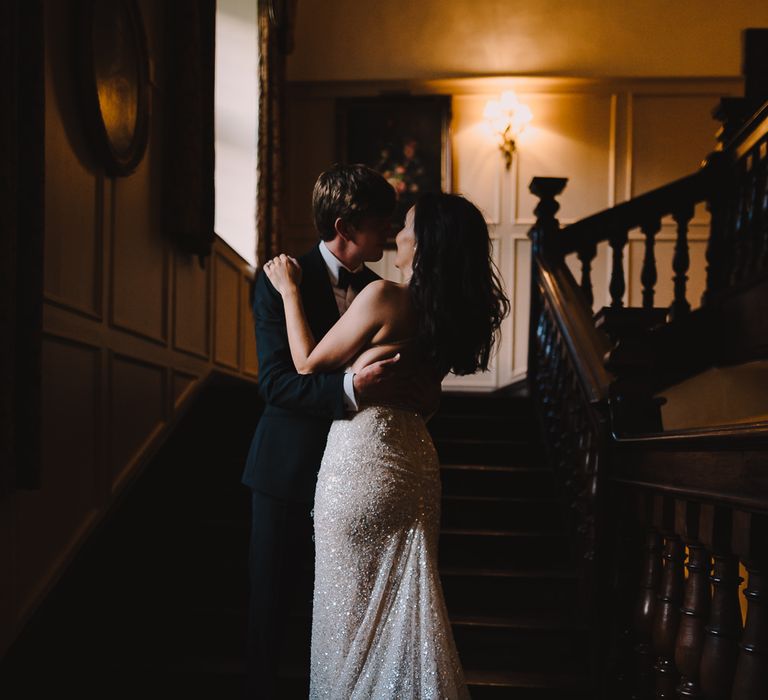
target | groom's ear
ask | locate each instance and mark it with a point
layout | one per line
(343, 229)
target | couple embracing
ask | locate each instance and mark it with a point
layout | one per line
(350, 367)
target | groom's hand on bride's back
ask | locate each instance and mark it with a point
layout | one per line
(395, 383)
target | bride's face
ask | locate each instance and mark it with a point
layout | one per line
(406, 243)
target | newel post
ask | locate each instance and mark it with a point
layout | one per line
(543, 235)
(544, 232)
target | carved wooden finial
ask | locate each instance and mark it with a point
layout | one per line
(546, 226)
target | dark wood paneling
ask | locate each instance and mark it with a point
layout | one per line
(191, 306)
(137, 410)
(139, 260)
(226, 322)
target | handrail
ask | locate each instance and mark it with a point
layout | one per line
(638, 210)
(581, 336)
(748, 135)
(714, 436)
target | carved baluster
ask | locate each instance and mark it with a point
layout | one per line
(644, 616)
(758, 228)
(667, 613)
(648, 275)
(617, 286)
(738, 240)
(752, 219)
(586, 255)
(680, 262)
(751, 544)
(696, 601)
(628, 556)
(718, 233)
(763, 262)
(723, 631)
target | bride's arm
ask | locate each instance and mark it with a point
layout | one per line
(352, 332)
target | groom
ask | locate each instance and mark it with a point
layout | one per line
(352, 207)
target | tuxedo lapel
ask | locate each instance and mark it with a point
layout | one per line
(317, 293)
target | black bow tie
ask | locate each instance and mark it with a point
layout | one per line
(355, 279)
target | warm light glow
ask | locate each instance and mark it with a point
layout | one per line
(508, 117)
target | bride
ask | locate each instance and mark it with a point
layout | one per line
(380, 628)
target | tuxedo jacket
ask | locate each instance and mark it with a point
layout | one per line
(289, 441)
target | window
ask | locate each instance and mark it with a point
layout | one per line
(236, 124)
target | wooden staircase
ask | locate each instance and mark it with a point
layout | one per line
(155, 604)
(505, 563)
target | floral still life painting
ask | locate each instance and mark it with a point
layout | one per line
(403, 137)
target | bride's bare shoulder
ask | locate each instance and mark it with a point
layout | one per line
(381, 289)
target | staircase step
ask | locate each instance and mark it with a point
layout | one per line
(500, 451)
(502, 513)
(498, 685)
(545, 620)
(509, 592)
(479, 426)
(497, 548)
(470, 479)
(461, 402)
(521, 647)
(217, 632)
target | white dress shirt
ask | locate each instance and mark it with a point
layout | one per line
(343, 300)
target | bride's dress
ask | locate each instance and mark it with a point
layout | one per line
(380, 629)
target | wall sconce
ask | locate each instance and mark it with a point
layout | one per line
(508, 118)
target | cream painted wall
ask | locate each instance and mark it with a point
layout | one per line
(403, 39)
(718, 396)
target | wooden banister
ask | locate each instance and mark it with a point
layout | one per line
(649, 506)
(657, 203)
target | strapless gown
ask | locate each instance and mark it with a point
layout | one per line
(380, 628)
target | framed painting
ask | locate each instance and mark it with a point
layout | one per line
(404, 137)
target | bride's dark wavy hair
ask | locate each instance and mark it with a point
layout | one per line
(455, 285)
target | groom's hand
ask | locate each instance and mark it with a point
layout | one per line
(390, 382)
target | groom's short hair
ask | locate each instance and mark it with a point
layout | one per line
(352, 193)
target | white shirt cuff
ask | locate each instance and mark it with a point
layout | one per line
(349, 392)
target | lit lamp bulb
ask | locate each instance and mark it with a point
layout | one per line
(508, 118)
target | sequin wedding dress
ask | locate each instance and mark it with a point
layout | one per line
(380, 628)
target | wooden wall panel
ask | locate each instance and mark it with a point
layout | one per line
(226, 324)
(522, 303)
(480, 380)
(73, 218)
(571, 136)
(181, 385)
(111, 380)
(8, 555)
(191, 305)
(307, 157)
(71, 434)
(137, 410)
(139, 258)
(670, 135)
(479, 168)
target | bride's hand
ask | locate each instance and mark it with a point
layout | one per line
(284, 272)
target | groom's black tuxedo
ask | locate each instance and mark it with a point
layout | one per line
(290, 438)
(283, 462)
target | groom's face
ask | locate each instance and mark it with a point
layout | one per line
(370, 236)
